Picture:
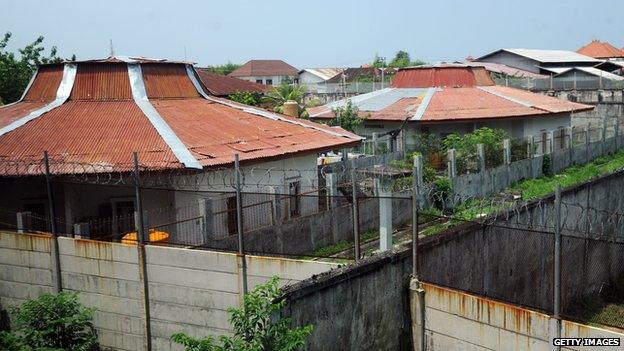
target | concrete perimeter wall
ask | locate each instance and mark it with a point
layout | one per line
(189, 290)
(455, 320)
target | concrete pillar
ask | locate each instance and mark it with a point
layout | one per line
(417, 311)
(530, 147)
(587, 141)
(604, 136)
(481, 157)
(331, 183)
(24, 222)
(450, 166)
(506, 151)
(401, 141)
(374, 144)
(277, 203)
(81, 230)
(385, 215)
(550, 143)
(206, 211)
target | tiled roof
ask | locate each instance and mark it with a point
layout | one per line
(255, 68)
(110, 112)
(220, 85)
(601, 50)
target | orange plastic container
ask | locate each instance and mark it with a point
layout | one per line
(155, 237)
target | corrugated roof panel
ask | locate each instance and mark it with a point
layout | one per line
(102, 82)
(441, 76)
(11, 113)
(263, 68)
(219, 85)
(90, 132)
(543, 102)
(164, 81)
(382, 101)
(215, 130)
(45, 85)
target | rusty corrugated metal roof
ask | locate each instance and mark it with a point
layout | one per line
(102, 124)
(220, 85)
(101, 81)
(449, 75)
(165, 81)
(45, 84)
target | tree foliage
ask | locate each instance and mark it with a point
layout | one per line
(224, 69)
(401, 59)
(246, 97)
(466, 147)
(256, 326)
(51, 322)
(15, 72)
(346, 117)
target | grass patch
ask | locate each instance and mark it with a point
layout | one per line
(437, 228)
(535, 188)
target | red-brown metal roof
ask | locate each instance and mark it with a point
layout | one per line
(167, 81)
(441, 76)
(101, 81)
(103, 133)
(601, 50)
(45, 84)
(220, 85)
(101, 123)
(215, 132)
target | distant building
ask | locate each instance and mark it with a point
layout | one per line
(268, 72)
(224, 86)
(318, 75)
(363, 74)
(503, 70)
(540, 61)
(453, 98)
(602, 50)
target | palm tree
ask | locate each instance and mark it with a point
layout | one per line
(278, 95)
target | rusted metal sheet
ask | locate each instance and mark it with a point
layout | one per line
(542, 102)
(43, 88)
(101, 82)
(217, 131)
(219, 85)
(10, 114)
(164, 81)
(102, 133)
(442, 76)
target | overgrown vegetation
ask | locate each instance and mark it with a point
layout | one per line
(256, 326)
(401, 59)
(15, 72)
(346, 117)
(466, 148)
(278, 95)
(224, 69)
(246, 97)
(534, 188)
(51, 322)
(603, 308)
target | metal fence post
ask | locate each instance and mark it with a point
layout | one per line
(239, 226)
(557, 261)
(57, 279)
(141, 240)
(356, 219)
(587, 141)
(604, 136)
(617, 133)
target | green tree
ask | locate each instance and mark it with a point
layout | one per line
(256, 326)
(346, 117)
(16, 72)
(53, 322)
(402, 59)
(379, 62)
(224, 69)
(246, 97)
(466, 147)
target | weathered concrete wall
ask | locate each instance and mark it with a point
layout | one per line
(503, 263)
(608, 103)
(455, 320)
(189, 290)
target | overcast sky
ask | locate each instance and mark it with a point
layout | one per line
(309, 33)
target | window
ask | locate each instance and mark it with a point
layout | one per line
(294, 191)
(232, 215)
(296, 80)
(268, 81)
(259, 81)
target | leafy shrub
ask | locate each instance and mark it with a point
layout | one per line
(57, 322)
(247, 98)
(256, 326)
(442, 190)
(546, 164)
(466, 148)
(347, 117)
